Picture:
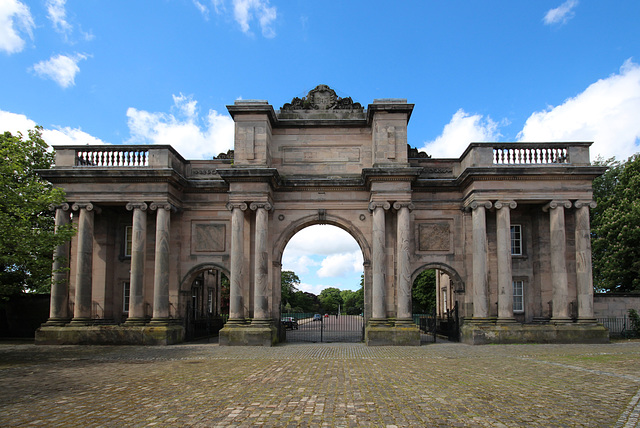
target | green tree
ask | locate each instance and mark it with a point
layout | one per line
(306, 302)
(424, 292)
(26, 220)
(615, 226)
(330, 299)
(288, 282)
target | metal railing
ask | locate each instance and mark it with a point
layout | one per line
(618, 326)
(113, 157)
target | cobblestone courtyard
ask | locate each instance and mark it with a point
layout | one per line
(321, 385)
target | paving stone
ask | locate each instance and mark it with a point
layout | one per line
(333, 385)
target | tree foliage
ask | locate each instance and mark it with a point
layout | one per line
(288, 282)
(615, 227)
(424, 292)
(330, 298)
(27, 223)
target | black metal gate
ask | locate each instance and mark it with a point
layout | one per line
(321, 328)
(432, 326)
(201, 327)
(450, 325)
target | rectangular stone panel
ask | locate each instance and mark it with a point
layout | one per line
(434, 237)
(207, 237)
(296, 155)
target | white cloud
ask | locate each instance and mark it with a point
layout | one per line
(312, 288)
(337, 265)
(65, 136)
(245, 11)
(459, 132)
(62, 69)
(14, 123)
(561, 14)
(15, 18)
(607, 113)
(323, 240)
(297, 263)
(193, 137)
(204, 10)
(58, 16)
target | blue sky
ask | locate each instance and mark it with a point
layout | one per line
(162, 71)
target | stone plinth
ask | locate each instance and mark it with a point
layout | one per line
(392, 335)
(488, 333)
(110, 335)
(248, 335)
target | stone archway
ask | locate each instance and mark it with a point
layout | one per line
(325, 159)
(202, 301)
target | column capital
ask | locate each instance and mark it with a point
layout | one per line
(379, 204)
(505, 204)
(239, 205)
(137, 205)
(585, 203)
(85, 205)
(407, 204)
(63, 206)
(555, 204)
(477, 204)
(162, 206)
(255, 205)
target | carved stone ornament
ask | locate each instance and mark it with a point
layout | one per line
(322, 97)
(414, 153)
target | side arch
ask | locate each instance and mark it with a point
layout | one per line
(458, 284)
(190, 276)
(310, 220)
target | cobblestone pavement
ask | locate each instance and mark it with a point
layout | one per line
(310, 385)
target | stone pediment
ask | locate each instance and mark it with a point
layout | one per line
(322, 102)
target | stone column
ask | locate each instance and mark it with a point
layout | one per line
(584, 279)
(236, 311)
(162, 263)
(558, 243)
(261, 267)
(505, 279)
(379, 302)
(59, 311)
(480, 280)
(138, 245)
(403, 282)
(84, 267)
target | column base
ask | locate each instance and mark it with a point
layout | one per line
(561, 320)
(481, 320)
(81, 322)
(161, 321)
(385, 334)
(587, 321)
(506, 321)
(135, 321)
(481, 334)
(110, 335)
(255, 334)
(56, 322)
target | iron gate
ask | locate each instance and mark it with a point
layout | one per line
(321, 328)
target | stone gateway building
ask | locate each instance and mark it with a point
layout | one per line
(506, 226)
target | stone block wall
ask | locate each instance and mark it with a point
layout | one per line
(615, 305)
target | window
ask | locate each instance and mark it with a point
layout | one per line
(128, 241)
(126, 292)
(516, 240)
(518, 296)
(210, 301)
